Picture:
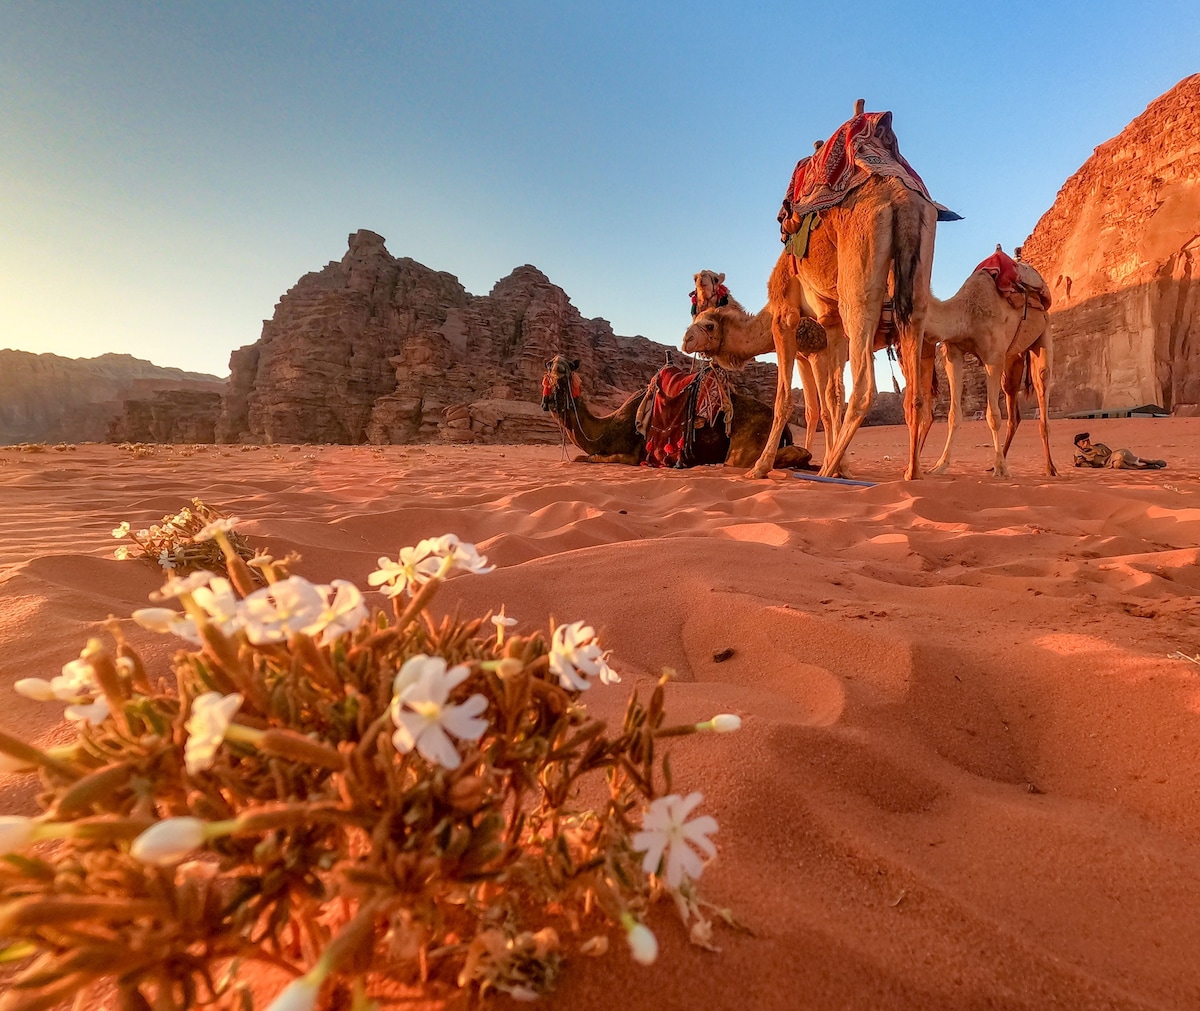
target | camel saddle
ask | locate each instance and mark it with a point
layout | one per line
(675, 405)
(1016, 281)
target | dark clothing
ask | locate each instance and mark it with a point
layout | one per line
(1096, 454)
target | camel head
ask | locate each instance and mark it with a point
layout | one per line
(706, 334)
(560, 384)
(710, 291)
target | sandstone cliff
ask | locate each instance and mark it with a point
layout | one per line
(1121, 251)
(379, 349)
(48, 398)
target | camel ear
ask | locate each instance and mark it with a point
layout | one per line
(549, 362)
(574, 364)
(720, 279)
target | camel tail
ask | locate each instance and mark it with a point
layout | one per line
(1028, 381)
(908, 227)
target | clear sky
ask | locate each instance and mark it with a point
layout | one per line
(168, 170)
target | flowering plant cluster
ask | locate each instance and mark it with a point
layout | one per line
(185, 542)
(343, 794)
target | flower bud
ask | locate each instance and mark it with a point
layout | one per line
(726, 723)
(37, 689)
(168, 842)
(298, 995)
(16, 833)
(643, 945)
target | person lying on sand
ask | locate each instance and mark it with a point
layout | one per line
(1096, 454)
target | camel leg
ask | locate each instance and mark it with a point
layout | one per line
(1014, 372)
(953, 358)
(995, 374)
(926, 424)
(785, 352)
(812, 401)
(860, 323)
(1039, 367)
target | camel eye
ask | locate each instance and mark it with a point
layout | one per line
(709, 327)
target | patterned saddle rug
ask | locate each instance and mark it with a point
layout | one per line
(1018, 282)
(675, 405)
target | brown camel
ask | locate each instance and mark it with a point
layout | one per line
(1010, 341)
(730, 336)
(614, 438)
(881, 228)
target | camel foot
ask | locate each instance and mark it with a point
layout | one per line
(941, 467)
(1001, 472)
(1052, 471)
(755, 474)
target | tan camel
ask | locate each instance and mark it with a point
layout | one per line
(730, 336)
(614, 438)
(1009, 341)
(710, 292)
(881, 228)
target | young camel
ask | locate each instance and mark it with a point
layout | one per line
(730, 336)
(1008, 340)
(881, 228)
(614, 438)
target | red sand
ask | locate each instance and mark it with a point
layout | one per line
(969, 768)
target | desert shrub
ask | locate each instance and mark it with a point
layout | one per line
(183, 543)
(343, 794)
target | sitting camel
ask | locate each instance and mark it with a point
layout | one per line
(614, 437)
(1010, 341)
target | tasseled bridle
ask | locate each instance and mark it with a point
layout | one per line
(560, 396)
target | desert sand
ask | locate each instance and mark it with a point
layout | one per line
(969, 769)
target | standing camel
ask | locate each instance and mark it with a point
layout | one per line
(730, 336)
(1008, 340)
(880, 226)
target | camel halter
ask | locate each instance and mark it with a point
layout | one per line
(550, 383)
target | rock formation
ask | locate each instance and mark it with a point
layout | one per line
(169, 416)
(48, 398)
(1120, 249)
(379, 349)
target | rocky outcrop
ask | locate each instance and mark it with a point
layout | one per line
(379, 349)
(169, 416)
(1121, 251)
(48, 398)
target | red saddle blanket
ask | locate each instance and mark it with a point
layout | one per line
(860, 148)
(676, 404)
(1012, 277)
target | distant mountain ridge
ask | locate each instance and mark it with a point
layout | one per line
(49, 398)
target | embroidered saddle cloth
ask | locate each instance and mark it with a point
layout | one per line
(675, 405)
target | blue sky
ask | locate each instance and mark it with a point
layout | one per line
(168, 170)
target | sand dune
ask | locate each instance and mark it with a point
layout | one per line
(969, 767)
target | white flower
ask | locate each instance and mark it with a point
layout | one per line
(280, 610)
(344, 613)
(210, 530)
(210, 718)
(299, 995)
(76, 683)
(168, 622)
(502, 621)
(575, 656)
(38, 689)
(643, 945)
(416, 566)
(122, 530)
(121, 553)
(220, 603)
(462, 556)
(15, 832)
(165, 561)
(169, 841)
(95, 712)
(666, 834)
(423, 717)
(174, 587)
